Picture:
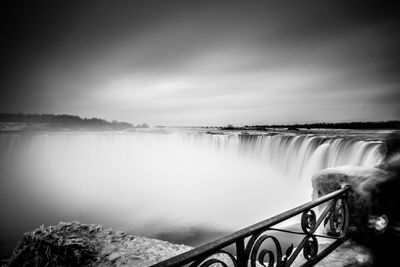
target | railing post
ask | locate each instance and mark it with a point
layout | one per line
(241, 253)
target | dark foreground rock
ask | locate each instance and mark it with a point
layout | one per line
(363, 181)
(75, 244)
(373, 205)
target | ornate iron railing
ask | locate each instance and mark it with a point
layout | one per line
(249, 241)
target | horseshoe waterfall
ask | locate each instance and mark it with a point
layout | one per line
(154, 182)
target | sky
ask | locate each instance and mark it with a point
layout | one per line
(204, 63)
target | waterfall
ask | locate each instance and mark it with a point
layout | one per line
(302, 155)
(146, 181)
(296, 155)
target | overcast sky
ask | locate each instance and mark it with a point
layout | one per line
(202, 62)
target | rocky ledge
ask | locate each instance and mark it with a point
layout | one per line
(76, 244)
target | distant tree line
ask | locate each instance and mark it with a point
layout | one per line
(63, 120)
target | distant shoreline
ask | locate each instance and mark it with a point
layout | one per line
(370, 125)
(37, 122)
(377, 125)
(71, 122)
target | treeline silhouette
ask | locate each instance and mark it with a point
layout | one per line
(389, 125)
(64, 120)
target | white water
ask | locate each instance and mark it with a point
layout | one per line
(149, 182)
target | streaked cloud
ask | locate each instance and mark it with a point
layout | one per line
(213, 63)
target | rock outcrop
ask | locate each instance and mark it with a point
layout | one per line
(373, 205)
(363, 181)
(76, 244)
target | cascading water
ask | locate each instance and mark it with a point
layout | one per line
(302, 155)
(148, 182)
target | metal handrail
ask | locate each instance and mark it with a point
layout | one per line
(336, 212)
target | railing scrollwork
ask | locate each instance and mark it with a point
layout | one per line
(259, 244)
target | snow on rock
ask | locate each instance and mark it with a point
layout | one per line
(76, 244)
